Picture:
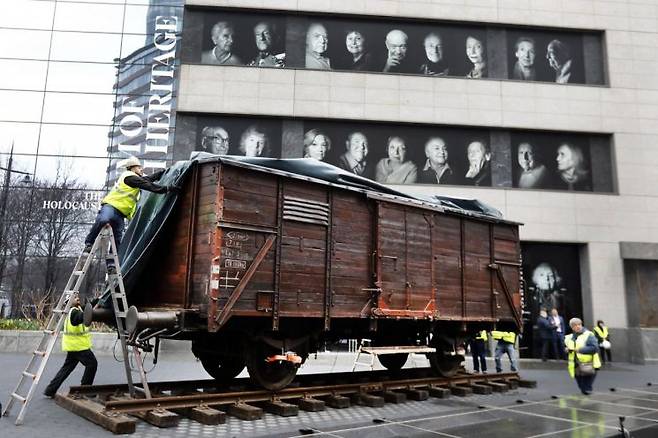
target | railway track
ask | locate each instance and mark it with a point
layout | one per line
(209, 403)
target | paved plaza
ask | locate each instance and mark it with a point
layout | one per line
(518, 413)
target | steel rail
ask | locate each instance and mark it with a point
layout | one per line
(259, 395)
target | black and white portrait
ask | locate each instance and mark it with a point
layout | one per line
(552, 281)
(411, 153)
(430, 48)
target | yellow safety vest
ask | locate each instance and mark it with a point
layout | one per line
(509, 337)
(482, 335)
(581, 340)
(602, 332)
(75, 337)
(123, 197)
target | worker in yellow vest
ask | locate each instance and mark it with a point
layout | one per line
(121, 202)
(76, 341)
(479, 351)
(505, 345)
(583, 359)
(603, 336)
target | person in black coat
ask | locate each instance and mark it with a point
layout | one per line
(545, 330)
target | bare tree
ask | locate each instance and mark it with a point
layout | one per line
(59, 233)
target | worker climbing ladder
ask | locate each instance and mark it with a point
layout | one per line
(34, 370)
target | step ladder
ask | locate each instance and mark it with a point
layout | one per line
(37, 363)
(366, 348)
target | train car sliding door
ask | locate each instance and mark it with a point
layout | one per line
(404, 268)
(303, 269)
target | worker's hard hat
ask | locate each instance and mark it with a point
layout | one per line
(129, 162)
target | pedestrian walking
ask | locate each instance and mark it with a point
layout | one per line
(583, 351)
(546, 332)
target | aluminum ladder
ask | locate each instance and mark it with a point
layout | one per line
(117, 291)
(37, 363)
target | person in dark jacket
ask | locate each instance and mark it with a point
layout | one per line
(479, 352)
(545, 330)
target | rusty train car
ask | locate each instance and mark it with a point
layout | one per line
(262, 266)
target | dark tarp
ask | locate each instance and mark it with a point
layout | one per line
(144, 230)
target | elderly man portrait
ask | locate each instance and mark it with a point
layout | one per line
(316, 144)
(479, 164)
(534, 175)
(559, 58)
(359, 56)
(547, 291)
(354, 159)
(317, 43)
(254, 142)
(524, 67)
(437, 170)
(396, 169)
(572, 173)
(214, 140)
(222, 36)
(396, 46)
(265, 35)
(434, 64)
(475, 52)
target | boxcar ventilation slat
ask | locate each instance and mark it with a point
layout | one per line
(304, 210)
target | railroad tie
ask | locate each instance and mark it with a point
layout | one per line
(438, 391)
(527, 383)
(310, 404)
(461, 391)
(281, 408)
(203, 414)
(244, 411)
(337, 401)
(365, 399)
(417, 394)
(394, 397)
(481, 389)
(497, 386)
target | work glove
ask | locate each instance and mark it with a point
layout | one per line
(173, 189)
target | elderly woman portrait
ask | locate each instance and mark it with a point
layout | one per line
(265, 37)
(571, 169)
(475, 52)
(215, 140)
(534, 175)
(525, 53)
(317, 43)
(559, 58)
(316, 144)
(254, 142)
(434, 64)
(437, 170)
(396, 169)
(359, 57)
(222, 37)
(479, 163)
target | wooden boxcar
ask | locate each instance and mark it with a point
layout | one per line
(259, 262)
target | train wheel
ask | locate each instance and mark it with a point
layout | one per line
(445, 365)
(393, 362)
(222, 368)
(272, 376)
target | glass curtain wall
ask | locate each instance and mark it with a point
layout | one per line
(61, 63)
